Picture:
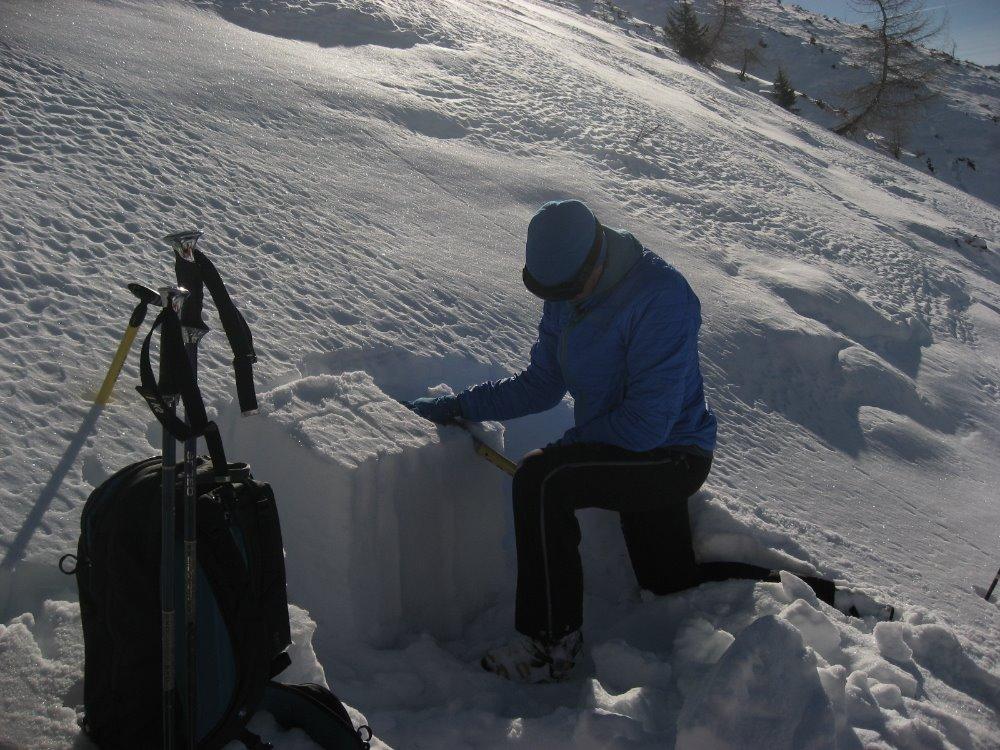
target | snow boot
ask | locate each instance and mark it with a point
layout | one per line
(528, 660)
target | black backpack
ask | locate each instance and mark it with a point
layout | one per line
(243, 630)
(241, 607)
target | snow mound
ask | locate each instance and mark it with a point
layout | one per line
(814, 293)
(736, 706)
(338, 23)
(820, 353)
(785, 671)
(41, 669)
(390, 524)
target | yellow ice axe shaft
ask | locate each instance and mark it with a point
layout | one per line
(494, 457)
(146, 297)
(104, 395)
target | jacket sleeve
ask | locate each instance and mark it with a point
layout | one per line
(538, 387)
(661, 347)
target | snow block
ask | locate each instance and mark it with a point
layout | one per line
(818, 631)
(890, 637)
(390, 523)
(305, 667)
(765, 691)
(699, 642)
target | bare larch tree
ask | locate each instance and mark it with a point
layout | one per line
(900, 68)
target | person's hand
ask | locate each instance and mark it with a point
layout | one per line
(441, 410)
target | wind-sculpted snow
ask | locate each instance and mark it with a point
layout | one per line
(338, 23)
(364, 172)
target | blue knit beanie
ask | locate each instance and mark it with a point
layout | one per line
(560, 237)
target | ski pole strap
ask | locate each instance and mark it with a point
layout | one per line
(237, 331)
(178, 378)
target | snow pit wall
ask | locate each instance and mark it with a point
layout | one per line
(391, 524)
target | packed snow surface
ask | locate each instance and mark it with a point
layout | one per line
(364, 172)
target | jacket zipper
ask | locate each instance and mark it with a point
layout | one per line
(563, 343)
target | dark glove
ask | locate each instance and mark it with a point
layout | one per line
(441, 410)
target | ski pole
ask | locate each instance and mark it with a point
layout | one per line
(146, 297)
(989, 591)
(193, 328)
(174, 297)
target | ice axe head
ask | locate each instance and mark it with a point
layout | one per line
(174, 296)
(145, 294)
(146, 297)
(184, 243)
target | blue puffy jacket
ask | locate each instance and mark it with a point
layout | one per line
(628, 354)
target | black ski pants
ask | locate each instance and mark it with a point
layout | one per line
(649, 490)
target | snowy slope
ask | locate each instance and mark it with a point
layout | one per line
(958, 137)
(365, 171)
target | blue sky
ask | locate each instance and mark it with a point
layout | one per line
(974, 24)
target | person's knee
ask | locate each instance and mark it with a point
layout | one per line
(530, 471)
(528, 479)
(532, 463)
(532, 454)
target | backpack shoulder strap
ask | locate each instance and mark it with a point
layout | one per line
(318, 712)
(237, 331)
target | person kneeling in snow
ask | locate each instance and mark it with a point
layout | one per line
(619, 331)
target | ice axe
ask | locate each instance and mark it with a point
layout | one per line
(146, 297)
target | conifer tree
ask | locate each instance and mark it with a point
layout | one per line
(688, 35)
(784, 93)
